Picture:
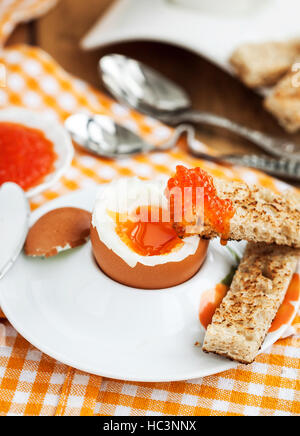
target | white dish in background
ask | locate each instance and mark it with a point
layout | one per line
(53, 131)
(69, 309)
(221, 7)
(206, 29)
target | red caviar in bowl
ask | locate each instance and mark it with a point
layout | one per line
(26, 155)
(217, 212)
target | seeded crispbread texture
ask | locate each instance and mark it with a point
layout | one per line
(284, 102)
(260, 215)
(264, 64)
(244, 318)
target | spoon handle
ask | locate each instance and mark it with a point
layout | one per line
(275, 146)
(283, 168)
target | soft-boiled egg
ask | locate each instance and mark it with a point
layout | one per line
(134, 241)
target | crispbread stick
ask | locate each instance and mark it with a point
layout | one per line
(243, 320)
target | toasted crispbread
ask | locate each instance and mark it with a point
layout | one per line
(264, 64)
(284, 101)
(244, 318)
(260, 215)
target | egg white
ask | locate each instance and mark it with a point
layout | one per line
(125, 196)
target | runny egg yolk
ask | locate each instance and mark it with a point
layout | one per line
(146, 236)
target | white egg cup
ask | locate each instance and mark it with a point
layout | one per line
(14, 218)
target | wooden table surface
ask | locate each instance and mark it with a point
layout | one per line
(211, 89)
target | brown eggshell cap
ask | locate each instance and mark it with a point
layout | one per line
(60, 228)
(147, 277)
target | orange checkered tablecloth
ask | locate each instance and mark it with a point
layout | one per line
(32, 383)
(13, 12)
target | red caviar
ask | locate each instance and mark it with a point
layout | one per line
(26, 155)
(217, 212)
(148, 237)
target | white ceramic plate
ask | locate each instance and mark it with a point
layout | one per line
(53, 131)
(211, 29)
(69, 309)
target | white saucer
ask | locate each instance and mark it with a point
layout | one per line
(69, 309)
(210, 34)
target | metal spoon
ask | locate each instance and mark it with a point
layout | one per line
(146, 90)
(103, 137)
